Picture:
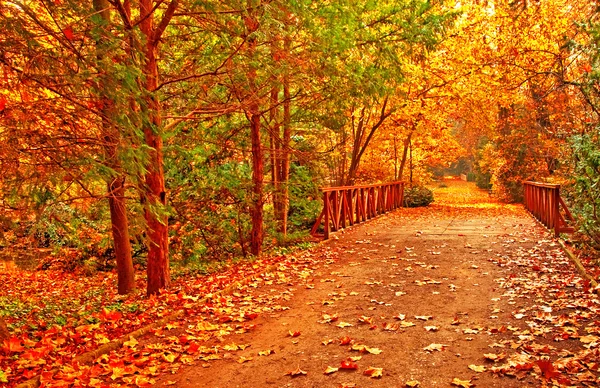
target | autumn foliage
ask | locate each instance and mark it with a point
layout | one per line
(160, 138)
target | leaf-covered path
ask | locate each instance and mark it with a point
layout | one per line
(466, 290)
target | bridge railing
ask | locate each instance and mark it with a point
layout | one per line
(348, 205)
(545, 203)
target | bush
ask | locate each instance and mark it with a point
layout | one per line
(586, 188)
(417, 196)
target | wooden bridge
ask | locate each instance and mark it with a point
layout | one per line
(348, 205)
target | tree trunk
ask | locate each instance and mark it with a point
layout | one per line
(275, 156)
(155, 196)
(405, 147)
(120, 232)
(285, 149)
(4, 333)
(116, 186)
(257, 232)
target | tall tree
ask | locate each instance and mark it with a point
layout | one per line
(154, 195)
(116, 183)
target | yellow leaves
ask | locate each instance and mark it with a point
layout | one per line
(243, 359)
(131, 343)
(412, 383)
(365, 349)
(373, 372)
(477, 368)
(495, 357)
(206, 326)
(330, 370)
(169, 357)
(344, 324)
(433, 347)
(462, 383)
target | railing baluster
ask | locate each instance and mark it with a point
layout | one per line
(543, 201)
(349, 205)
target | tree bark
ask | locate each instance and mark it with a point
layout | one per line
(275, 155)
(4, 333)
(405, 148)
(285, 149)
(155, 196)
(257, 232)
(116, 185)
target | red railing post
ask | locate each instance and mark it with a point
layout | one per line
(326, 216)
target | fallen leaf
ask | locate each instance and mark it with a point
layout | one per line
(495, 357)
(373, 372)
(462, 383)
(330, 370)
(345, 340)
(547, 369)
(348, 364)
(477, 368)
(13, 344)
(432, 347)
(266, 352)
(431, 328)
(131, 343)
(297, 372)
(294, 333)
(423, 317)
(343, 324)
(243, 359)
(412, 383)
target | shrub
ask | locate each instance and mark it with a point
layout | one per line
(417, 196)
(586, 188)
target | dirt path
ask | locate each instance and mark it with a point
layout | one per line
(421, 293)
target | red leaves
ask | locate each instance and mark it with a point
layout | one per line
(547, 369)
(68, 31)
(2, 103)
(250, 316)
(348, 364)
(345, 340)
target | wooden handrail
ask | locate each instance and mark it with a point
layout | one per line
(348, 205)
(544, 202)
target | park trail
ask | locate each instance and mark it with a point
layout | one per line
(465, 292)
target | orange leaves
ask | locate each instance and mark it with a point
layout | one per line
(13, 345)
(110, 316)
